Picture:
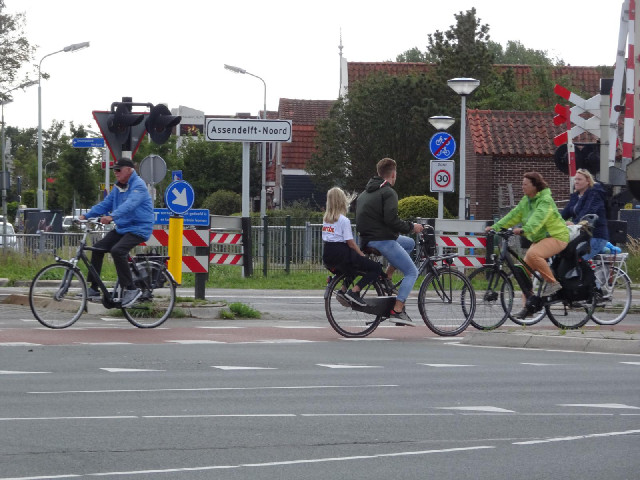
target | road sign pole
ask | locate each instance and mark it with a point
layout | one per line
(176, 224)
(245, 179)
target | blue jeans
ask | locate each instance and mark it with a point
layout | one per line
(597, 245)
(397, 254)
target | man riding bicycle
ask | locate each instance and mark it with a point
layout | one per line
(129, 205)
(379, 226)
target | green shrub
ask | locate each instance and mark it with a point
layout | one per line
(223, 202)
(422, 206)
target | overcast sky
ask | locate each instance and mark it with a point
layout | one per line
(172, 52)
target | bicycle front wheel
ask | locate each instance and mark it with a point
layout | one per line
(613, 304)
(571, 315)
(58, 295)
(157, 299)
(347, 321)
(447, 302)
(494, 297)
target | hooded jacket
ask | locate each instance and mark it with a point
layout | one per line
(130, 206)
(539, 217)
(377, 213)
(593, 200)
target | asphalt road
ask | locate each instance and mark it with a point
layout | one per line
(286, 398)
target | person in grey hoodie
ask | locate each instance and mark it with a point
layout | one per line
(379, 226)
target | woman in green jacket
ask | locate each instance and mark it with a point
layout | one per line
(542, 225)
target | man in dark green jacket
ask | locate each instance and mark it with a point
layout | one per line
(379, 227)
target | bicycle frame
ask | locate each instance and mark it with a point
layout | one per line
(521, 275)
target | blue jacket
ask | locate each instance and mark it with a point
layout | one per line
(131, 208)
(592, 201)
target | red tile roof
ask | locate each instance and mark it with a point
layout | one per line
(586, 79)
(304, 112)
(514, 134)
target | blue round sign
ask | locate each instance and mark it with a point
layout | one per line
(442, 146)
(179, 197)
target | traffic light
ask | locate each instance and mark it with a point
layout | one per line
(160, 123)
(120, 122)
(587, 157)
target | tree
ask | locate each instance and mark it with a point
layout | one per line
(413, 55)
(14, 47)
(517, 54)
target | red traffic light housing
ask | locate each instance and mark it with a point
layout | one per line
(120, 122)
(160, 123)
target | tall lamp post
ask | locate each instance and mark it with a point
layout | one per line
(68, 48)
(5, 100)
(263, 190)
(463, 87)
(441, 122)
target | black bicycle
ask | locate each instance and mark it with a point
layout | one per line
(495, 293)
(446, 300)
(58, 293)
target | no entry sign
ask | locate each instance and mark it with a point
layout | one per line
(442, 178)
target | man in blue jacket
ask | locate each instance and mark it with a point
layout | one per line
(129, 205)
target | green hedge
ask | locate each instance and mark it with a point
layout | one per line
(422, 206)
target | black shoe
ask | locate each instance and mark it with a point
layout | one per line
(342, 300)
(388, 284)
(130, 296)
(522, 314)
(401, 318)
(355, 297)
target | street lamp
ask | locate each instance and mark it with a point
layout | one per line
(69, 48)
(45, 181)
(5, 100)
(463, 87)
(441, 122)
(263, 191)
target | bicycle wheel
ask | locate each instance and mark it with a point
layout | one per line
(614, 303)
(536, 317)
(494, 297)
(447, 302)
(571, 315)
(347, 321)
(58, 295)
(158, 296)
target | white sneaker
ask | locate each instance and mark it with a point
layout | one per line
(551, 288)
(130, 296)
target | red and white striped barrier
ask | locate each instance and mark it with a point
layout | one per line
(226, 238)
(463, 242)
(190, 238)
(226, 258)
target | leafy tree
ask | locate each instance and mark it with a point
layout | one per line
(413, 55)
(223, 202)
(16, 49)
(517, 54)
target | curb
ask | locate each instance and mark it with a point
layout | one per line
(554, 342)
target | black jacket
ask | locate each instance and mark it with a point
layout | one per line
(377, 213)
(592, 201)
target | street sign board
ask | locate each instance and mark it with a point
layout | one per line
(198, 217)
(442, 175)
(442, 145)
(247, 130)
(152, 169)
(176, 175)
(179, 197)
(88, 142)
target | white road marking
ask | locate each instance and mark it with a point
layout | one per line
(192, 342)
(576, 437)
(280, 341)
(18, 344)
(215, 389)
(344, 365)
(540, 364)
(598, 405)
(15, 372)
(631, 363)
(220, 328)
(104, 343)
(265, 464)
(130, 370)
(444, 365)
(367, 339)
(232, 367)
(298, 326)
(479, 408)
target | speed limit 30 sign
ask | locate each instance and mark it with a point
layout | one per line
(442, 179)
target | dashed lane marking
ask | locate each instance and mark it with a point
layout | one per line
(479, 408)
(236, 367)
(344, 365)
(129, 370)
(16, 372)
(444, 365)
(598, 405)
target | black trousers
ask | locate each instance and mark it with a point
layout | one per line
(119, 246)
(345, 259)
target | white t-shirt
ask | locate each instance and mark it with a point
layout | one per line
(339, 231)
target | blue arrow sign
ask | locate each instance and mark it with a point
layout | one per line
(442, 146)
(179, 197)
(198, 217)
(88, 142)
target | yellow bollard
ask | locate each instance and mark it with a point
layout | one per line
(175, 247)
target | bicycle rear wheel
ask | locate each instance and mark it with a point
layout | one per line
(157, 299)
(614, 302)
(494, 297)
(571, 315)
(347, 321)
(446, 302)
(58, 295)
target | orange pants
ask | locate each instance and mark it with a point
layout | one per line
(538, 253)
